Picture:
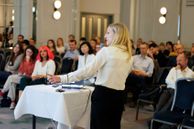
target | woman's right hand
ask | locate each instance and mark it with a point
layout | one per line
(54, 79)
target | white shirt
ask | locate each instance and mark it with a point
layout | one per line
(85, 60)
(176, 74)
(48, 68)
(113, 67)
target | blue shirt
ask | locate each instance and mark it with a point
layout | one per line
(144, 63)
(71, 54)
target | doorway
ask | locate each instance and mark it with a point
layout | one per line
(94, 25)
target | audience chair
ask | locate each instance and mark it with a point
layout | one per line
(2, 62)
(67, 64)
(58, 62)
(152, 96)
(188, 122)
(192, 68)
(181, 105)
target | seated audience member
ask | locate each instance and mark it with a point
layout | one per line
(72, 53)
(32, 42)
(20, 38)
(13, 63)
(25, 69)
(51, 45)
(191, 58)
(44, 67)
(98, 39)
(93, 44)
(82, 39)
(133, 47)
(179, 49)
(169, 49)
(139, 41)
(25, 44)
(141, 75)
(162, 56)
(60, 46)
(66, 44)
(1, 41)
(153, 50)
(86, 57)
(178, 72)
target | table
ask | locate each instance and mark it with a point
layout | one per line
(68, 108)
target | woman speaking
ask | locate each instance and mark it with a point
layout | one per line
(112, 65)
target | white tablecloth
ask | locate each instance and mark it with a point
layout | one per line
(68, 108)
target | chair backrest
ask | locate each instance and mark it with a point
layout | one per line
(184, 94)
(58, 59)
(171, 61)
(58, 67)
(192, 68)
(2, 61)
(162, 74)
(66, 65)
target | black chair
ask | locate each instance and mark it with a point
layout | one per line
(58, 64)
(2, 62)
(171, 61)
(192, 68)
(58, 59)
(58, 67)
(151, 96)
(67, 64)
(181, 105)
(188, 122)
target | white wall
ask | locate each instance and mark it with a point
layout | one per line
(101, 7)
(150, 28)
(142, 19)
(23, 18)
(187, 26)
(48, 27)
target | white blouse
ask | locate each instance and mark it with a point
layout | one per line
(85, 60)
(111, 65)
(48, 68)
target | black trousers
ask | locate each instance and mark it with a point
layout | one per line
(28, 81)
(137, 84)
(107, 107)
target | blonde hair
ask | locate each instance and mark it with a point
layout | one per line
(121, 37)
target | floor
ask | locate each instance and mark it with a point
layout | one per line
(128, 120)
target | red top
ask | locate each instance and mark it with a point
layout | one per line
(26, 68)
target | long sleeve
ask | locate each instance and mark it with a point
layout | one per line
(112, 66)
(14, 68)
(150, 68)
(176, 74)
(35, 71)
(49, 68)
(171, 78)
(26, 68)
(87, 71)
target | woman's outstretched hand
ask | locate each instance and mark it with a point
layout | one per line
(54, 79)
